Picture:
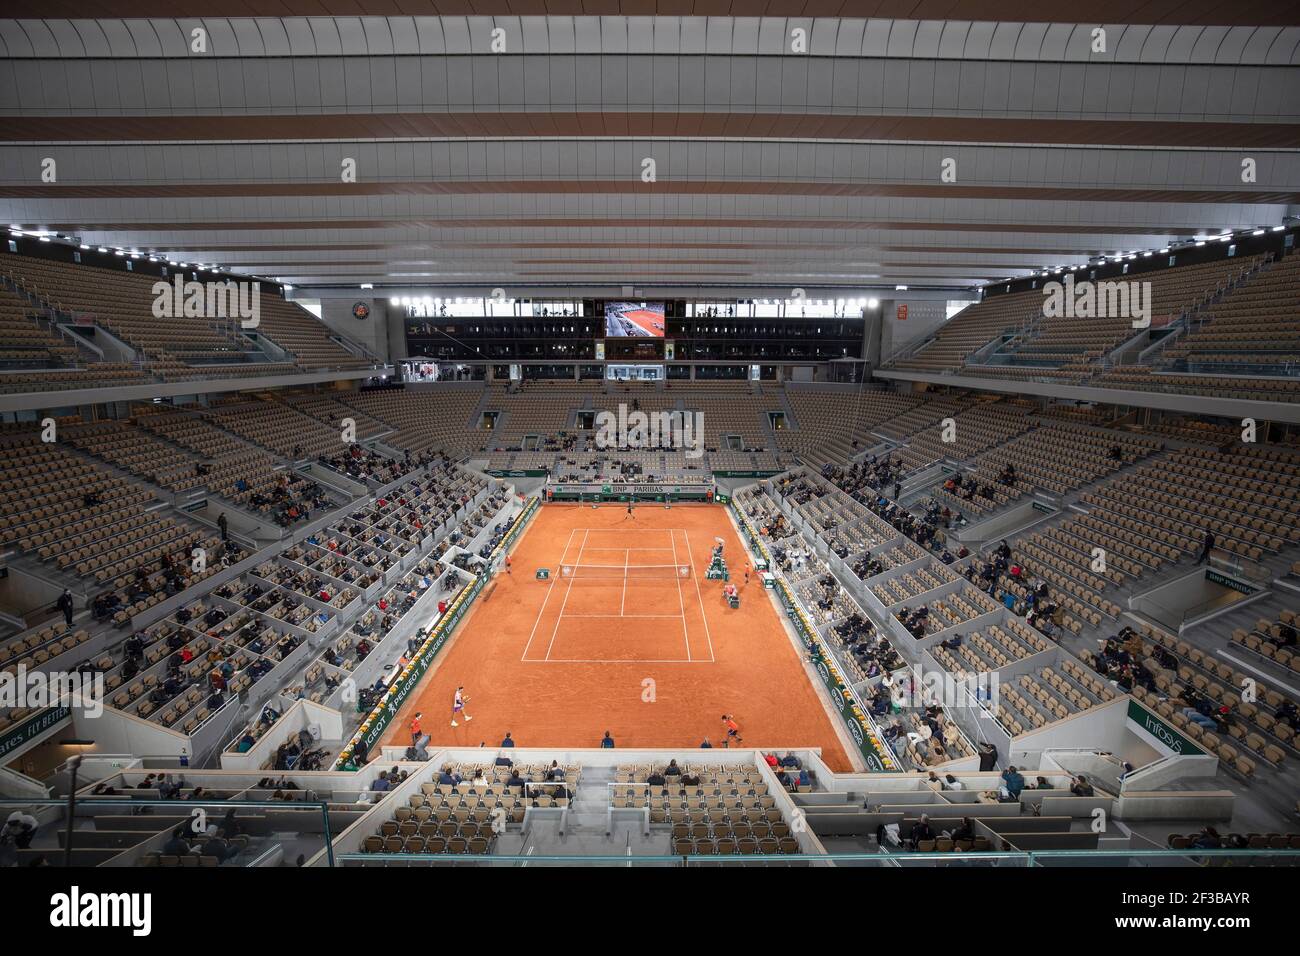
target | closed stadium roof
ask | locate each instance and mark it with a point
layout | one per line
(334, 143)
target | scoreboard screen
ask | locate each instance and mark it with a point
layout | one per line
(634, 320)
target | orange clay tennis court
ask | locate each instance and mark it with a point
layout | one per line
(558, 662)
(647, 321)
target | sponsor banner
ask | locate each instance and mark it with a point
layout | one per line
(1222, 579)
(518, 473)
(745, 474)
(857, 725)
(16, 736)
(598, 493)
(1156, 727)
(372, 728)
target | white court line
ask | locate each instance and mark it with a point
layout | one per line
(566, 596)
(681, 604)
(623, 600)
(624, 660)
(615, 617)
(551, 588)
(704, 617)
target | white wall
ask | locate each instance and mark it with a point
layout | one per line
(117, 732)
(924, 317)
(372, 332)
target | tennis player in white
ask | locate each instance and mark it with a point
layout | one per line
(458, 706)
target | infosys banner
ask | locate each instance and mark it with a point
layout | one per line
(1166, 736)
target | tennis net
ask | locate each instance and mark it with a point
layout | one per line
(625, 572)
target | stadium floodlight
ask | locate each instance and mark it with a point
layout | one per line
(872, 303)
(367, 285)
(1258, 232)
(1165, 249)
(395, 301)
(900, 288)
(119, 252)
(1201, 243)
(1278, 228)
(44, 238)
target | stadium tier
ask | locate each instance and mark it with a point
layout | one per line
(659, 438)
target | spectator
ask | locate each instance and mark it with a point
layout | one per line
(1012, 784)
(1081, 787)
(176, 845)
(964, 831)
(921, 830)
(607, 742)
(66, 606)
(219, 847)
(1206, 547)
(20, 828)
(230, 826)
(1208, 839)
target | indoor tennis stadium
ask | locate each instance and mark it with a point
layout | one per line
(375, 377)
